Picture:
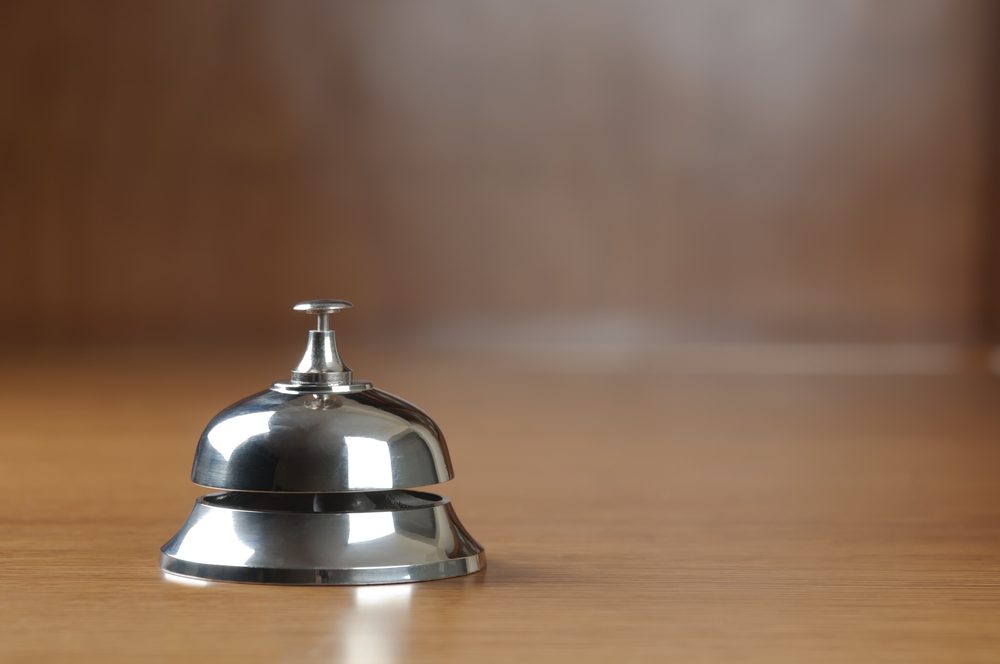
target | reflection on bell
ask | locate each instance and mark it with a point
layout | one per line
(318, 476)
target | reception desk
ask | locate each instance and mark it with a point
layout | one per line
(628, 515)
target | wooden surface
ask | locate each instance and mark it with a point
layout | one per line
(627, 518)
(769, 170)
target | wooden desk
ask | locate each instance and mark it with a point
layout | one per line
(627, 518)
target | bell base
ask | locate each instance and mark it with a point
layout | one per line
(322, 539)
(359, 576)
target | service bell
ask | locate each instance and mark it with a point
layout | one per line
(317, 475)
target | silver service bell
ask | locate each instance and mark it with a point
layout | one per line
(318, 475)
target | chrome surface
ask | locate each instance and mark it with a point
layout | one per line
(300, 388)
(321, 364)
(359, 538)
(314, 470)
(317, 443)
(320, 307)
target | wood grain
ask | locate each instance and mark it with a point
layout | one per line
(768, 170)
(627, 518)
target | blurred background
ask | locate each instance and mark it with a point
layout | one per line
(553, 175)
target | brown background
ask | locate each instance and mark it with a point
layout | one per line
(546, 211)
(630, 172)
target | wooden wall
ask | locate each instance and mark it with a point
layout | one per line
(787, 170)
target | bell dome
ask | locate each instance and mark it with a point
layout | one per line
(314, 443)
